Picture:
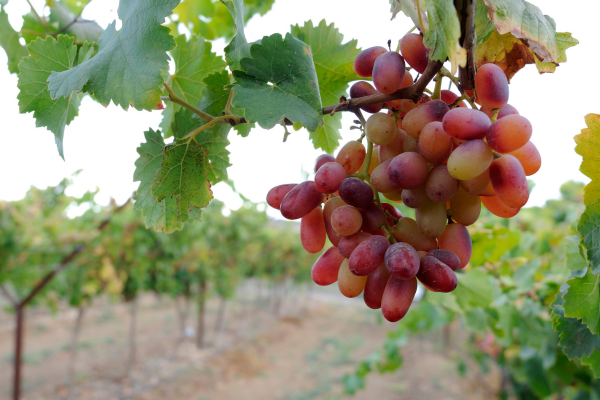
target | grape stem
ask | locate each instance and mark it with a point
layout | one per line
(464, 96)
(438, 87)
(177, 100)
(495, 116)
(216, 120)
(456, 82)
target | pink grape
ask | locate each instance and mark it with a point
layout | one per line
(406, 231)
(402, 260)
(415, 120)
(504, 111)
(470, 159)
(408, 170)
(476, 185)
(388, 72)
(397, 298)
(494, 205)
(326, 268)
(436, 275)
(375, 286)
(415, 198)
(466, 123)
(368, 255)
(346, 220)
(362, 89)
(457, 239)
(312, 231)
(329, 177)
(414, 52)
(301, 200)
(351, 156)
(440, 186)
(509, 133)
(447, 257)
(529, 157)
(330, 206)
(363, 63)
(276, 195)
(380, 179)
(450, 97)
(349, 243)
(323, 159)
(391, 150)
(509, 181)
(373, 218)
(434, 143)
(491, 86)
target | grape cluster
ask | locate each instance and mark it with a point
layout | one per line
(436, 156)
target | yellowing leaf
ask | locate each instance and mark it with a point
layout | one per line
(588, 147)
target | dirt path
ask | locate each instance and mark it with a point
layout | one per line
(300, 356)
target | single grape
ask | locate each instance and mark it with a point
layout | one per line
(470, 160)
(356, 192)
(351, 156)
(402, 260)
(509, 181)
(447, 257)
(349, 284)
(329, 177)
(346, 220)
(375, 287)
(415, 198)
(323, 159)
(301, 200)
(498, 208)
(466, 123)
(406, 231)
(362, 89)
(397, 298)
(363, 63)
(449, 98)
(465, 207)
(440, 186)
(349, 243)
(529, 157)
(476, 185)
(509, 133)
(414, 52)
(436, 275)
(415, 120)
(457, 239)
(491, 86)
(330, 206)
(381, 129)
(406, 82)
(395, 196)
(407, 105)
(276, 195)
(388, 72)
(312, 231)
(326, 268)
(504, 111)
(410, 144)
(380, 179)
(434, 143)
(408, 170)
(391, 150)
(373, 218)
(431, 219)
(368, 255)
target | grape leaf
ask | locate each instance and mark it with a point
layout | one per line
(593, 361)
(473, 290)
(574, 337)
(163, 216)
(9, 41)
(526, 21)
(582, 300)
(239, 47)
(506, 51)
(83, 29)
(49, 55)
(127, 69)
(334, 63)
(589, 230)
(573, 258)
(33, 29)
(409, 8)
(279, 82)
(441, 39)
(194, 60)
(483, 26)
(564, 40)
(588, 147)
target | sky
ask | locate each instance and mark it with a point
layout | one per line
(102, 141)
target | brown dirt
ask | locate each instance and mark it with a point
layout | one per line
(300, 356)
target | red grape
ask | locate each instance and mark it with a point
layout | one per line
(491, 86)
(375, 287)
(414, 52)
(373, 218)
(450, 97)
(380, 179)
(402, 260)
(466, 123)
(329, 177)
(392, 149)
(437, 275)
(408, 170)
(447, 257)
(388, 72)
(351, 156)
(356, 192)
(346, 220)
(504, 111)
(498, 208)
(330, 206)
(415, 120)
(349, 243)
(276, 195)
(509, 133)
(457, 239)
(368, 255)
(323, 159)
(434, 143)
(326, 268)
(415, 198)
(529, 157)
(397, 298)
(312, 231)
(301, 200)
(509, 181)
(362, 89)
(363, 63)
(440, 185)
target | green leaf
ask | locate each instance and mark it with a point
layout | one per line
(573, 258)
(334, 63)
(582, 300)
(575, 338)
(9, 41)
(83, 29)
(239, 47)
(589, 230)
(163, 216)
(588, 147)
(442, 37)
(409, 8)
(194, 61)
(526, 21)
(32, 29)
(280, 82)
(483, 25)
(593, 361)
(127, 69)
(49, 55)
(473, 290)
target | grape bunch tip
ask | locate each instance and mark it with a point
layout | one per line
(443, 162)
